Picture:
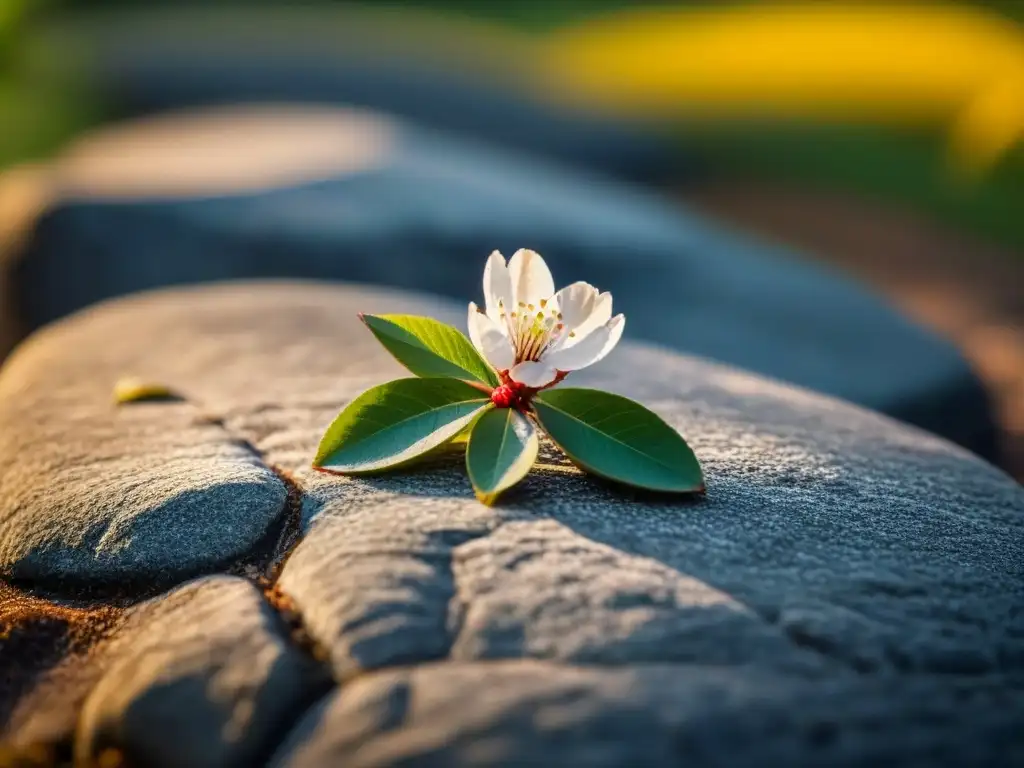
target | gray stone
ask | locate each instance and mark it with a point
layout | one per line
(540, 713)
(415, 210)
(829, 537)
(202, 676)
(848, 591)
(90, 493)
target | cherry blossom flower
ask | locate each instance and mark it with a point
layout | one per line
(533, 335)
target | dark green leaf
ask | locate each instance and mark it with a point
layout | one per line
(430, 348)
(395, 423)
(502, 447)
(614, 437)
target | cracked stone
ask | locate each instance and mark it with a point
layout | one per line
(45, 666)
(202, 676)
(143, 494)
(394, 554)
(845, 588)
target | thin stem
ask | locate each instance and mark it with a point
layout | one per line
(559, 377)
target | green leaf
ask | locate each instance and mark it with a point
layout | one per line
(430, 348)
(134, 390)
(616, 438)
(395, 423)
(502, 447)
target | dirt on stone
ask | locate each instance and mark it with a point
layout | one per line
(45, 651)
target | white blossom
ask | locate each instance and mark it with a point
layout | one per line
(532, 334)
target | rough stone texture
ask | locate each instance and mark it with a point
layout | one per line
(202, 676)
(545, 714)
(425, 213)
(848, 592)
(145, 493)
(47, 664)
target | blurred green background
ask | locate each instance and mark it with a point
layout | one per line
(42, 105)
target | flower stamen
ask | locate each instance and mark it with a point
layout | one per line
(524, 332)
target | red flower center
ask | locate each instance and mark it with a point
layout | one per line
(505, 396)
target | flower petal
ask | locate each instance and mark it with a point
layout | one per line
(576, 302)
(489, 337)
(497, 285)
(531, 278)
(588, 350)
(533, 374)
(600, 313)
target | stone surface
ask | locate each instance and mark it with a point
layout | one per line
(46, 665)
(202, 676)
(416, 210)
(545, 714)
(848, 591)
(146, 493)
(965, 288)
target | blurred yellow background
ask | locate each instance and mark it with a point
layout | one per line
(921, 103)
